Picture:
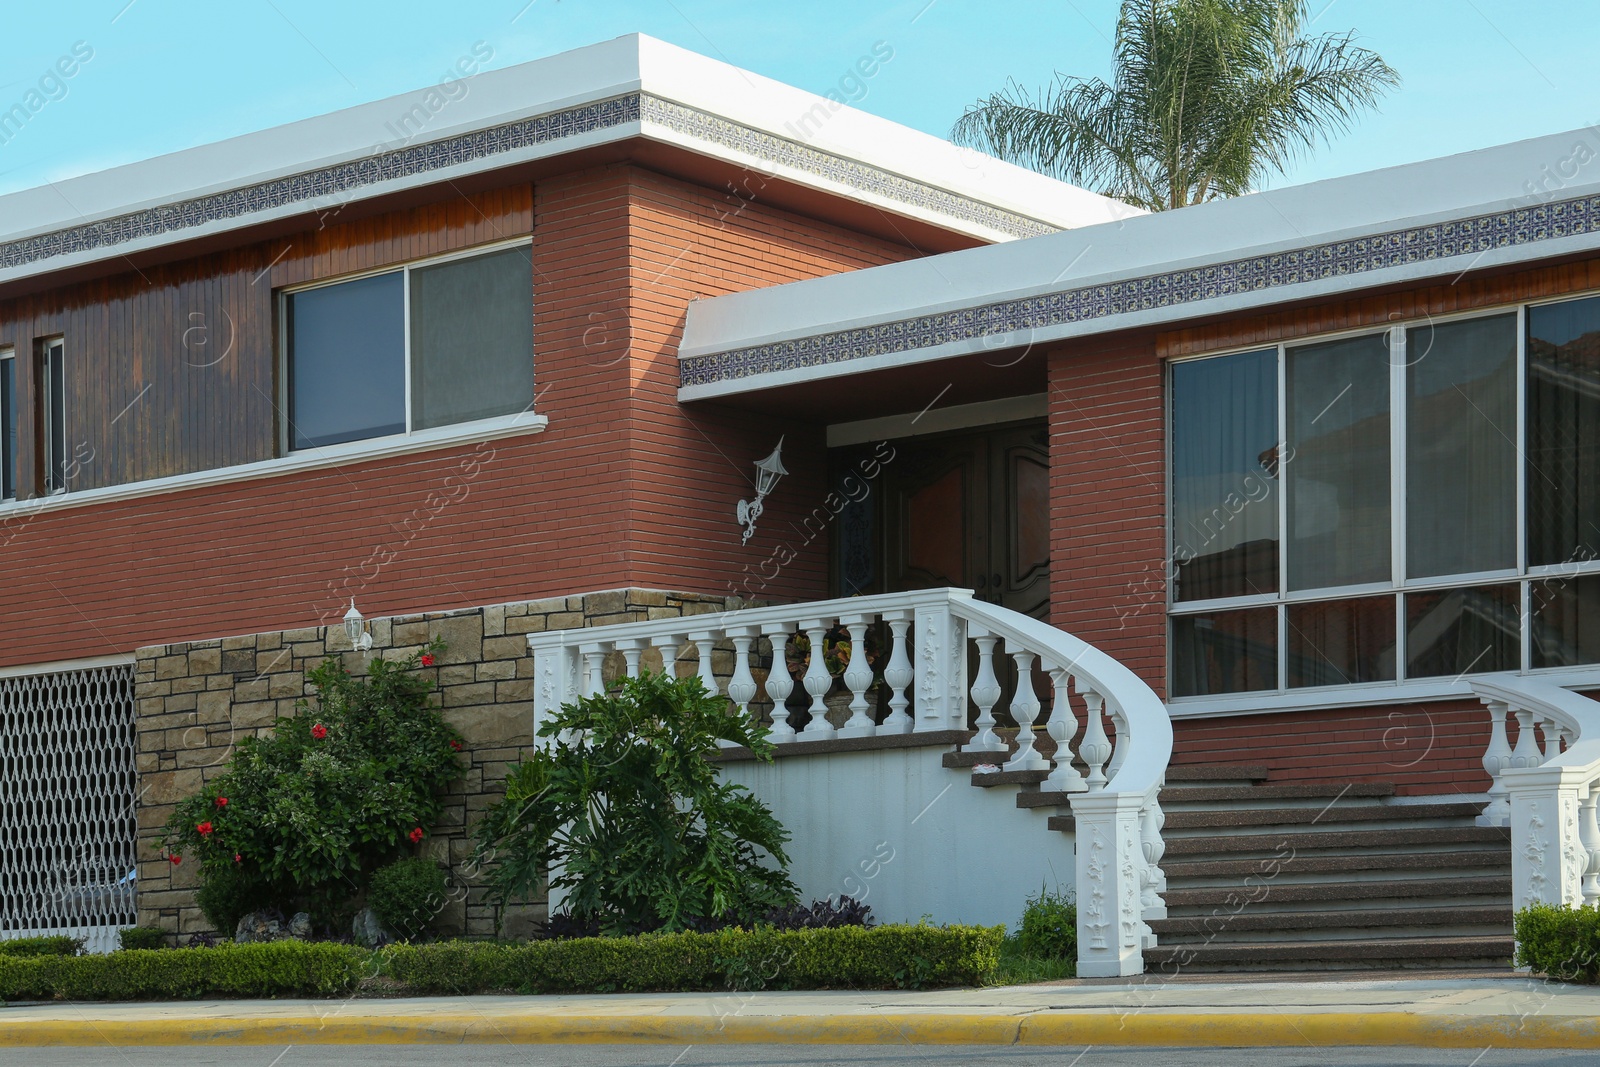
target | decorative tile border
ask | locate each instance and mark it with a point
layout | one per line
(1473, 235)
(336, 185)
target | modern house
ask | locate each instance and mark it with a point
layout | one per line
(1238, 563)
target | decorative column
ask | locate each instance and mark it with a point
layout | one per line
(1063, 726)
(1496, 758)
(897, 676)
(1025, 709)
(1548, 855)
(555, 672)
(940, 653)
(985, 692)
(779, 682)
(1110, 873)
(858, 676)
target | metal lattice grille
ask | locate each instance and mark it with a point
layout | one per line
(67, 827)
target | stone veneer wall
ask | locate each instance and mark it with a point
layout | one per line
(196, 700)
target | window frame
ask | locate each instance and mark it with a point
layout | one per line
(1399, 584)
(50, 433)
(9, 468)
(285, 361)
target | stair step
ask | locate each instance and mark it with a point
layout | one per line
(1211, 772)
(1228, 817)
(1382, 861)
(1303, 892)
(1338, 839)
(1296, 791)
(1246, 921)
(994, 778)
(1044, 798)
(1301, 955)
(958, 760)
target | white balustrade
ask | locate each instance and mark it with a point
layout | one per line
(924, 673)
(1547, 799)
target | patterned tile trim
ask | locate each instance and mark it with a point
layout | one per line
(1468, 236)
(779, 151)
(334, 186)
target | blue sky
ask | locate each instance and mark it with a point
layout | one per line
(169, 74)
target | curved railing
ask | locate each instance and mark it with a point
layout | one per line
(1546, 796)
(934, 636)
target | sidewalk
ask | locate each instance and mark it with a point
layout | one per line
(1504, 1012)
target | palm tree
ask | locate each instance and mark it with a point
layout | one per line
(1210, 97)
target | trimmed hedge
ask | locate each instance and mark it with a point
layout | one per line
(850, 957)
(278, 968)
(49, 945)
(1563, 942)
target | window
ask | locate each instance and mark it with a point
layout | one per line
(428, 345)
(8, 424)
(1437, 489)
(50, 417)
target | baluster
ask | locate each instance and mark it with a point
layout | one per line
(667, 646)
(703, 642)
(817, 681)
(1589, 834)
(1124, 742)
(594, 679)
(1025, 709)
(631, 651)
(1496, 758)
(985, 692)
(742, 688)
(1063, 726)
(898, 675)
(779, 683)
(1151, 821)
(1526, 754)
(858, 676)
(1096, 747)
(1552, 738)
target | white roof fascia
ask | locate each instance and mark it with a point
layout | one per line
(1490, 181)
(628, 65)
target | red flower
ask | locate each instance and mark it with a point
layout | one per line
(319, 731)
(415, 835)
(238, 858)
(222, 802)
(427, 659)
(176, 859)
(455, 745)
(204, 828)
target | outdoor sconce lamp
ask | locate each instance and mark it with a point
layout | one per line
(768, 471)
(355, 628)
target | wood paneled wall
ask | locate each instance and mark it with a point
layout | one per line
(172, 369)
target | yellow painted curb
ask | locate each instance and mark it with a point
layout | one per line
(1043, 1028)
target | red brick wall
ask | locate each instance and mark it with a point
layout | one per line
(625, 488)
(1107, 502)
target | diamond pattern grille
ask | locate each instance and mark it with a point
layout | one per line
(67, 789)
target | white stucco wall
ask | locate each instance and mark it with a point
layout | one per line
(909, 836)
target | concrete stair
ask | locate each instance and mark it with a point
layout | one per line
(1306, 876)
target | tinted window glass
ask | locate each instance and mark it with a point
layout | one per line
(472, 339)
(347, 361)
(1564, 432)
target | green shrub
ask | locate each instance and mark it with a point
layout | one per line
(1563, 942)
(48, 945)
(1049, 927)
(407, 896)
(301, 818)
(139, 937)
(852, 957)
(626, 805)
(279, 968)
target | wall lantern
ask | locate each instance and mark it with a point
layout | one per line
(355, 628)
(768, 471)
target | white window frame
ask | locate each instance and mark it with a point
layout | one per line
(1283, 697)
(281, 310)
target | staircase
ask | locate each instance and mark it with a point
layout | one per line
(1297, 877)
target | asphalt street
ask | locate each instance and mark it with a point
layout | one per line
(773, 1055)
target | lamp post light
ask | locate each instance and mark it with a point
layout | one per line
(768, 471)
(355, 628)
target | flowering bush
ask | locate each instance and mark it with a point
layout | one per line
(300, 819)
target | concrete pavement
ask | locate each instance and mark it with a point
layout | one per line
(1499, 1012)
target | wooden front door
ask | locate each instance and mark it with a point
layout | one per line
(971, 510)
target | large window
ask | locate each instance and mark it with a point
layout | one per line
(1437, 489)
(429, 345)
